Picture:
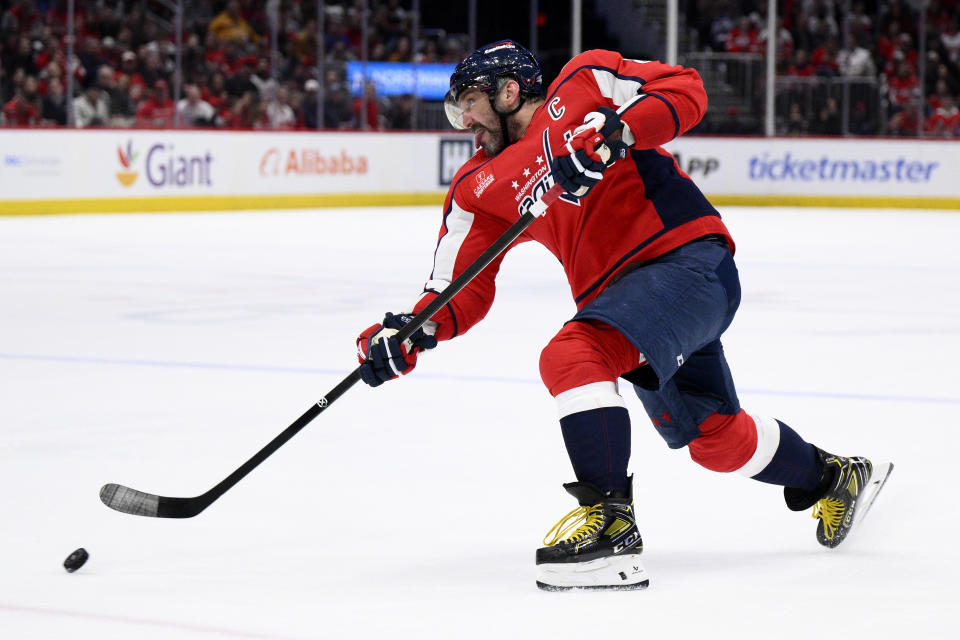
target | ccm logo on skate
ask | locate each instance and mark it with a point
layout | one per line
(632, 538)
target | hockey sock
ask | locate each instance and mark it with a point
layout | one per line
(598, 443)
(794, 464)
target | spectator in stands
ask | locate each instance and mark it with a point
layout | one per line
(860, 122)
(230, 26)
(123, 106)
(743, 38)
(337, 108)
(950, 39)
(90, 108)
(801, 65)
(20, 112)
(307, 115)
(107, 82)
(279, 112)
(430, 53)
(22, 57)
(54, 104)
(721, 26)
(827, 121)
(129, 68)
(156, 111)
(796, 122)
(370, 120)
(903, 88)
(856, 61)
(822, 25)
(824, 58)
(944, 122)
(247, 113)
(399, 114)
(401, 52)
(905, 121)
(194, 111)
(215, 91)
(31, 94)
(860, 24)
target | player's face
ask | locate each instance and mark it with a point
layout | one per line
(478, 116)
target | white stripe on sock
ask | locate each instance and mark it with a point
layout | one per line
(768, 440)
(595, 395)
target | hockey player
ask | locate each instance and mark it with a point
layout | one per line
(650, 266)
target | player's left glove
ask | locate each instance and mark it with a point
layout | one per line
(381, 355)
(593, 147)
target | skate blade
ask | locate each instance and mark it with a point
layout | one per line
(617, 573)
(877, 480)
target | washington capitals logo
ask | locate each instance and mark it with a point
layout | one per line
(543, 183)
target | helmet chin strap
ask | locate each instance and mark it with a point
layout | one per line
(503, 115)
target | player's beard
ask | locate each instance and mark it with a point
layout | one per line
(489, 137)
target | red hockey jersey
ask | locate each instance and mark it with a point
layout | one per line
(644, 206)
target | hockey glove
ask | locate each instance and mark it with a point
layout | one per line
(381, 355)
(595, 145)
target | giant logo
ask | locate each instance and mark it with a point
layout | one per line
(165, 168)
(127, 176)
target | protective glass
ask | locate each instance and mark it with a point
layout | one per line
(467, 102)
(453, 110)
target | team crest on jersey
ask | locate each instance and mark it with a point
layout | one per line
(540, 182)
(482, 179)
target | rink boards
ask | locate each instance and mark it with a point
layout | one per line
(58, 171)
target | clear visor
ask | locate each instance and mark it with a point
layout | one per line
(453, 110)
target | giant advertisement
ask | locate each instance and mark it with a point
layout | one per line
(221, 169)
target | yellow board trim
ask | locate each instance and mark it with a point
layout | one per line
(325, 200)
(216, 203)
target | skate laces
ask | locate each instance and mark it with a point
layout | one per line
(591, 518)
(830, 512)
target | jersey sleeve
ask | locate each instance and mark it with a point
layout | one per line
(663, 101)
(464, 235)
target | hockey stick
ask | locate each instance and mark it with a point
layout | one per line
(139, 503)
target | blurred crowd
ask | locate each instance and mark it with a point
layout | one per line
(876, 39)
(125, 57)
(124, 60)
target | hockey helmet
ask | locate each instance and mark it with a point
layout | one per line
(481, 70)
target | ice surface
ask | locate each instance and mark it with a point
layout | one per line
(161, 351)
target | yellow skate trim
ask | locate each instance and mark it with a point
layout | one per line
(589, 516)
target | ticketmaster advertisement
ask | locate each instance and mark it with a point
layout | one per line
(823, 170)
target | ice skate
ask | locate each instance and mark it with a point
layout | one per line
(595, 546)
(850, 486)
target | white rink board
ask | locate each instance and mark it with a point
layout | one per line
(53, 171)
(821, 166)
(106, 164)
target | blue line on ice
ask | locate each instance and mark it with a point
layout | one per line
(462, 378)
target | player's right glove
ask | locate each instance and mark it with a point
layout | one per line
(593, 147)
(381, 355)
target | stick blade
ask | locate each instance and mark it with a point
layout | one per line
(139, 503)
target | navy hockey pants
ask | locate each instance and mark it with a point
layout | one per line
(674, 309)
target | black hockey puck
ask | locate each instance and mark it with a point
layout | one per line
(75, 560)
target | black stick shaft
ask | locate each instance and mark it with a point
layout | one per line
(461, 281)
